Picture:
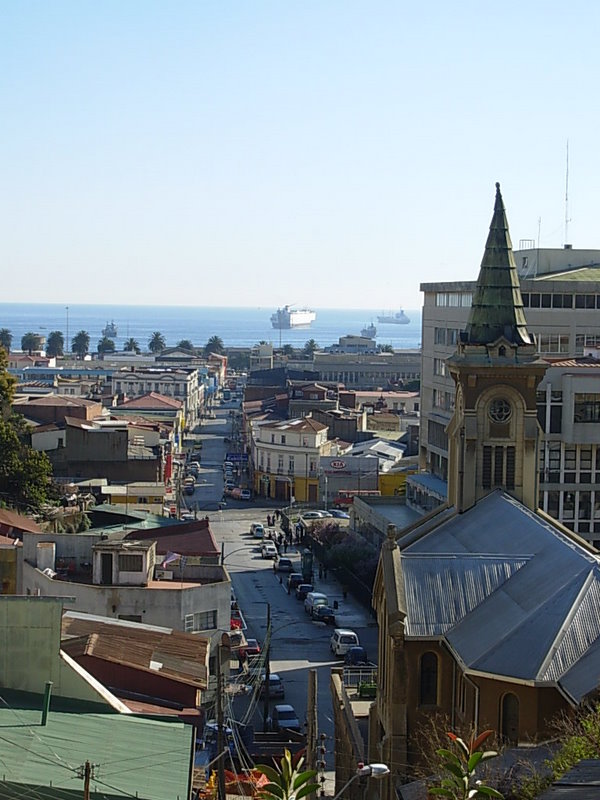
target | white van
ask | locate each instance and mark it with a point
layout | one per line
(342, 639)
(314, 599)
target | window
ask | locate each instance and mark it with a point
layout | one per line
(280, 464)
(283, 438)
(200, 621)
(291, 465)
(439, 366)
(440, 336)
(130, 563)
(587, 408)
(428, 688)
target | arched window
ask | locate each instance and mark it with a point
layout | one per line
(509, 722)
(428, 688)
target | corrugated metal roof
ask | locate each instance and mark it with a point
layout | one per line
(512, 593)
(442, 590)
(132, 756)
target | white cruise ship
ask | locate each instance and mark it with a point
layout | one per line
(287, 317)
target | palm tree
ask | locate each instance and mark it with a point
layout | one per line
(287, 350)
(56, 344)
(386, 348)
(5, 339)
(310, 347)
(214, 345)
(106, 345)
(287, 782)
(185, 344)
(30, 342)
(81, 344)
(131, 346)
(156, 342)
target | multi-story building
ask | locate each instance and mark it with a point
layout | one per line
(561, 297)
(286, 458)
(181, 383)
(368, 370)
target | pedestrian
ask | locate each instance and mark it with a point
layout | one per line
(320, 571)
(285, 545)
(274, 566)
(325, 571)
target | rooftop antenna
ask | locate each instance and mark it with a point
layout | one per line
(567, 219)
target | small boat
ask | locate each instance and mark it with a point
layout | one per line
(398, 318)
(369, 331)
(110, 329)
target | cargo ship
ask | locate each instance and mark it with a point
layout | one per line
(110, 329)
(370, 331)
(287, 317)
(398, 318)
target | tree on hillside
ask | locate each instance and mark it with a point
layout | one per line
(185, 344)
(24, 473)
(132, 346)
(310, 347)
(81, 344)
(56, 344)
(156, 342)
(5, 339)
(106, 345)
(30, 342)
(214, 345)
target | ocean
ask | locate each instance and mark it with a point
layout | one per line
(237, 327)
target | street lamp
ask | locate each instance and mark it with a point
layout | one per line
(377, 771)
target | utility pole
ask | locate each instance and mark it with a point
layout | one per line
(311, 727)
(267, 685)
(86, 780)
(220, 738)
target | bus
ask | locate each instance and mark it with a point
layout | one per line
(345, 497)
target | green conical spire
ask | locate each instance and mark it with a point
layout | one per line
(497, 308)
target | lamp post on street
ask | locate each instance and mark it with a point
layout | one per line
(377, 771)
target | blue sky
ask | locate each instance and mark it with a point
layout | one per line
(257, 153)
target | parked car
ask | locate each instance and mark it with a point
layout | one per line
(314, 599)
(251, 648)
(257, 530)
(285, 565)
(335, 512)
(294, 579)
(268, 550)
(324, 614)
(302, 590)
(193, 465)
(311, 515)
(342, 639)
(187, 515)
(245, 494)
(283, 717)
(275, 686)
(357, 657)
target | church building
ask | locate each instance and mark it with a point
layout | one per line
(487, 607)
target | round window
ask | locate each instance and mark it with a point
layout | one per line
(500, 410)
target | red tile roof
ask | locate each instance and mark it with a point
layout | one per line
(152, 400)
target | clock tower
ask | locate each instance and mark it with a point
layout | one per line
(493, 434)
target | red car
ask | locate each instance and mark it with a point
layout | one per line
(251, 648)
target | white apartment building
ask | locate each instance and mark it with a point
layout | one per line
(181, 383)
(286, 458)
